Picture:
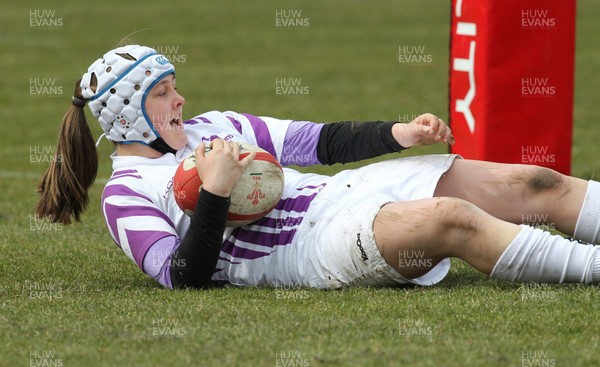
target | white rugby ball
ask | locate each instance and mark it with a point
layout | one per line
(256, 193)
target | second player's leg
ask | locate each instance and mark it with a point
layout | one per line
(516, 193)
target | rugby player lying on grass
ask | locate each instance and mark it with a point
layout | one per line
(357, 227)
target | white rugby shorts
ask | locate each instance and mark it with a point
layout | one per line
(336, 245)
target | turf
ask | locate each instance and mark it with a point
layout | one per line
(69, 296)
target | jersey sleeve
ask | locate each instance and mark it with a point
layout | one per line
(292, 142)
(136, 224)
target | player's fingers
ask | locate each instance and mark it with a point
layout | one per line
(447, 135)
(235, 149)
(248, 159)
(200, 155)
(216, 143)
(200, 150)
(433, 123)
(443, 130)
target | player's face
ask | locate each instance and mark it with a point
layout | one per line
(164, 107)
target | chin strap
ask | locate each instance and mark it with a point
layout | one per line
(99, 139)
(160, 145)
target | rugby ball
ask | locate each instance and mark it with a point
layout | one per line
(256, 193)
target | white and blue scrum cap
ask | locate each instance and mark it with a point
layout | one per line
(123, 77)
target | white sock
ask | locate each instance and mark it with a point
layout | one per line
(588, 223)
(539, 256)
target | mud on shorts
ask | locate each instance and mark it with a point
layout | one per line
(337, 247)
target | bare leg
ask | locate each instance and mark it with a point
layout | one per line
(439, 228)
(516, 193)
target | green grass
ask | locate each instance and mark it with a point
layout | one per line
(69, 292)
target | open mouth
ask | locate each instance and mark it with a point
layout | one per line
(175, 122)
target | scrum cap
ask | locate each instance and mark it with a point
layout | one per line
(122, 78)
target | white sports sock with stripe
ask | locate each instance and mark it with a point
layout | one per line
(588, 223)
(539, 256)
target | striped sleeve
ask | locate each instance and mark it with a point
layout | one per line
(292, 142)
(134, 222)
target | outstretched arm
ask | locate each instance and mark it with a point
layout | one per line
(350, 141)
(344, 142)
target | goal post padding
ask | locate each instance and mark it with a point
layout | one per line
(511, 80)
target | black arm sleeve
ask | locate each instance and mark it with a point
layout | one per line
(198, 253)
(349, 141)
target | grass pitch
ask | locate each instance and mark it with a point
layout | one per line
(69, 296)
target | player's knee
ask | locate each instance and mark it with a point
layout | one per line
(454, 215)
(539, 180)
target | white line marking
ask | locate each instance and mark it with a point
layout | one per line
(36, 176)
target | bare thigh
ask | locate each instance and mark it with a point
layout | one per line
(414, 236)
(516, 193)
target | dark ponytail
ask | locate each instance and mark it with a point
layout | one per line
(64, 187)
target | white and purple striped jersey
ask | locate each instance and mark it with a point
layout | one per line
(145, 222)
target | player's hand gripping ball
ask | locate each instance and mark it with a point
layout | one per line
(256, 193)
